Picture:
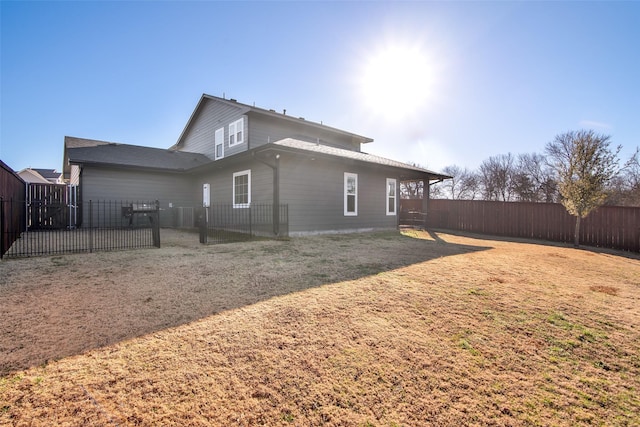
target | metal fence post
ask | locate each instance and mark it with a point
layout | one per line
(156, 226)
(202, 224)
(90, 226)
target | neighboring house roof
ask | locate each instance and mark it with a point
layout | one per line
(32, 176)
(135, 156)
(49, 174)
(311, 148)
(248, 109)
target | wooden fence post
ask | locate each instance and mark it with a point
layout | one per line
(1, 227)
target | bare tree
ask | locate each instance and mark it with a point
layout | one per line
(533, 179)
(462, 185)
(496, 177)
(585, 165)
(448, 189)
(411, 189)
(470, 185)
(625, 187)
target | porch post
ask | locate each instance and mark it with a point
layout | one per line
(425, 201)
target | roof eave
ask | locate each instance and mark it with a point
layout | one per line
(410, 172)
(359, 138)
(132, 167)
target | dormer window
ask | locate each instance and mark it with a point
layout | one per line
(236, 132)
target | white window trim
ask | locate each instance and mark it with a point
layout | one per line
(233, 131)
(233, 187)
(394, 197)
(348, 175)
(218, 140)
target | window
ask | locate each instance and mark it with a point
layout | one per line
(350, 194)
(242, 189)
(219, 143)
(236, 132)
(391, 196)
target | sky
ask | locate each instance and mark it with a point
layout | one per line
(434, 83)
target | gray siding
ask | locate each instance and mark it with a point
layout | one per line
(201, 134)
(314, 191)
(259, 130)
(131, 185)
(221, 182)
(263, 130)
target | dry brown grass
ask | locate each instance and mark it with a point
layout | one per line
(610, 290)
(367, 330)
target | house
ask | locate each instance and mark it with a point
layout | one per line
(41, 176)
(235, 154)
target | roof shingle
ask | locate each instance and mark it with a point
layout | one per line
(353, 155)
(125, 155)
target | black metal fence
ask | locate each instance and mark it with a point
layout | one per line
(225, 223)
(102, 226)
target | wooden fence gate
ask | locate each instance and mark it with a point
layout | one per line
(52, 206)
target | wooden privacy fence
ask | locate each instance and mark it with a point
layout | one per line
(612, 227)
(12, 220)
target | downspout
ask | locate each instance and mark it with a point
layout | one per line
(276, 190)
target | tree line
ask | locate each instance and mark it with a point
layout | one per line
(537, 177)
(579, 169)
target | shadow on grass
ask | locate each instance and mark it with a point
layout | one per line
(550, 243)
(72, 304)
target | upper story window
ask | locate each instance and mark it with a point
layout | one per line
(350, 194)
(391, 196)
(236, 132)
(242, 189)
(219, 143)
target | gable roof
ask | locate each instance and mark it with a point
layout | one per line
(249, 109)
(73, 142)
(132, 156)
(311, 148)
(48, 174)
(33, 176)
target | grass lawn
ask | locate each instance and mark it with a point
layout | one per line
(381, 329)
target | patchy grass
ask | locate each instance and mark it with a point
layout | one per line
(610, 290)
(368, 330)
